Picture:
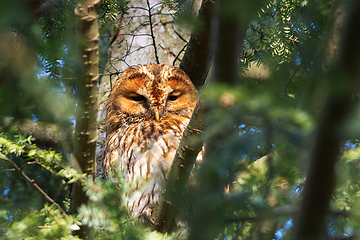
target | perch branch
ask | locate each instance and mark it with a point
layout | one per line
(176, 179)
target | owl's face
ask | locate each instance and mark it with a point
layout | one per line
(152, 93)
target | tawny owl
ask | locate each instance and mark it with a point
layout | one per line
(147, 113)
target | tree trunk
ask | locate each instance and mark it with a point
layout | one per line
(87, 91)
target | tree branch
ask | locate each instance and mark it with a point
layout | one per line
(33, 183)
(198, 55)
(191, 144)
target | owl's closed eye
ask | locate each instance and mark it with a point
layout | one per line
(147, 113)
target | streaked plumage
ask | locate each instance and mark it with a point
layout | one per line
(147, 113)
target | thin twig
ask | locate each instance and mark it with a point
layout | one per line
(9, 170)
(47, 208)
(27, 164)
(177, 56)
(152, 33)
(111, 74)
(179, 35)
(33, 183)
(279, 213)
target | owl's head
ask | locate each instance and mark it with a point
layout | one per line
(152, 92)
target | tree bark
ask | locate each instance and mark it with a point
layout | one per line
(198, 55)
(87, 91)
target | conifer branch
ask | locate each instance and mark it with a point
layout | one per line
(33, 184)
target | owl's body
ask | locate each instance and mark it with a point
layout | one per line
(147, 113)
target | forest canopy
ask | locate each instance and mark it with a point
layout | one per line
(278, 114)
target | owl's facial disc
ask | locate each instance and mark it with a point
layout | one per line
(155, 92)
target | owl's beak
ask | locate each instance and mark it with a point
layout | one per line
(157, 116)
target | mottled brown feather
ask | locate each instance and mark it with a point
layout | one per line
(138, 145)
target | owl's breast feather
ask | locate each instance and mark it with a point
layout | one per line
(145, 156)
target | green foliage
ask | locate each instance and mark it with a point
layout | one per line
(44, 224)
(275, 131)
(107, 213)
(16, 209)
(259, 125)
(110, 12)
(272, 121)
(281, 29)
(47, 159)
(259, 134)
